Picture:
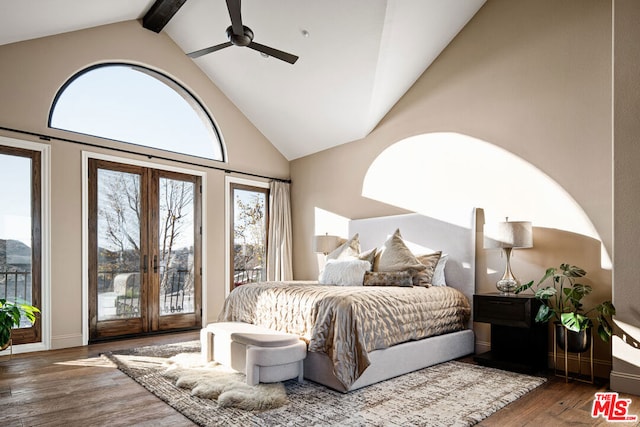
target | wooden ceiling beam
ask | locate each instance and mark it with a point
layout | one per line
(160, 14)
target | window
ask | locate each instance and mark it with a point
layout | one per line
(249, 214)
(136, 105)
(20, 234)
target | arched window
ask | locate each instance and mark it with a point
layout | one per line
(136, 105)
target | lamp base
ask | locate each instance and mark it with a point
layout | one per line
(508, 285)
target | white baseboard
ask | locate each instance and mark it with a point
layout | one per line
(623, 382)
(65, 341)
(24, 348)
(482, 347)
(58, 341)
(601, 367)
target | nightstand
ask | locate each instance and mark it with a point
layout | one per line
(518, 343)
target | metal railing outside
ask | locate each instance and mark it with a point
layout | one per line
(15, 285)
(242, 276)
(176, 296)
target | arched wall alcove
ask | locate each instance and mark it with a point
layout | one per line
(441, 174)
(444, 175)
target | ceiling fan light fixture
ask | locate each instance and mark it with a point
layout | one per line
(242, 36)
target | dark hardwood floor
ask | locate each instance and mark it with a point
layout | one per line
(76, 387)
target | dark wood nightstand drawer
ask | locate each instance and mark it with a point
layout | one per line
(518, 343)
(507, 310)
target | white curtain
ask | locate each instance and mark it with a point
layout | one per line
(279, 242)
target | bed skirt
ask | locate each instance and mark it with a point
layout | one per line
(393, 361)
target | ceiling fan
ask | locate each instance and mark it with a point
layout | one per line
(240, 35)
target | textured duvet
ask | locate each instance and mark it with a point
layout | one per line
(347, 322)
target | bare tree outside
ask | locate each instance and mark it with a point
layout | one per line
(250, 236)
(119, 257)
(176, 242)
(119, 215)
(119, 220)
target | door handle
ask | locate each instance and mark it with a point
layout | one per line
(155, 263)
(144, 264)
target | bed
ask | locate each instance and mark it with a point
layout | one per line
(360, 335)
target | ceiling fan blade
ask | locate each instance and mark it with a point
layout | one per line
(236, 16)
(199, 53)
(284, 56)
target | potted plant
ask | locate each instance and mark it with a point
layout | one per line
(562, 301)
(10, 314)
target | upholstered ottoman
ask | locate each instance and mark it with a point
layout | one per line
(262, 354)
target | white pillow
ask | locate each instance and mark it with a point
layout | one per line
(344, 272)
(438, 274)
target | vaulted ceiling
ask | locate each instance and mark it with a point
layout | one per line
(356, 57)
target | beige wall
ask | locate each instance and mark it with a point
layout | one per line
(530, 76)
(33, 71)
(625, 376)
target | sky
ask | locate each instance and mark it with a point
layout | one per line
(15, 198)
(121, 102)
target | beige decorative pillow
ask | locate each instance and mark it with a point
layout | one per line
(387, 278)
(369, 255)
(394, 255)
(438, 275)
(425, 277)
(349, 249)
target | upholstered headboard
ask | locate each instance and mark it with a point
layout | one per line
(425, 235)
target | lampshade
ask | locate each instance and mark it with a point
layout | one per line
(324, 243)
(510, 234)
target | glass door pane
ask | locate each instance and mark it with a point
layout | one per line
(119, 211)
(15, 228)
(20, 235)
(249, 251)
(176, 246)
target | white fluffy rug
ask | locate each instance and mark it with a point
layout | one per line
(228, 387)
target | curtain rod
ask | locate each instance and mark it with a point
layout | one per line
(149, 156)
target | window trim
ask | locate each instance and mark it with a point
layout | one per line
(86, 155)
(180, 89)
(45, 243)
(230, 181)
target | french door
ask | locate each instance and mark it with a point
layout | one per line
(21, 235)
(144, 250)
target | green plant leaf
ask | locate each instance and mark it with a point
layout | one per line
(606, 308)
(10, 314)
(603, 334)
(544, 314)
(574, 321)
(604, 324)
(5, 335)
(524, 287)
(15, 314)
(549, 273)
(545, 293)
(572, 270)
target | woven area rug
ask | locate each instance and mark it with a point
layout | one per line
(449, 394)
